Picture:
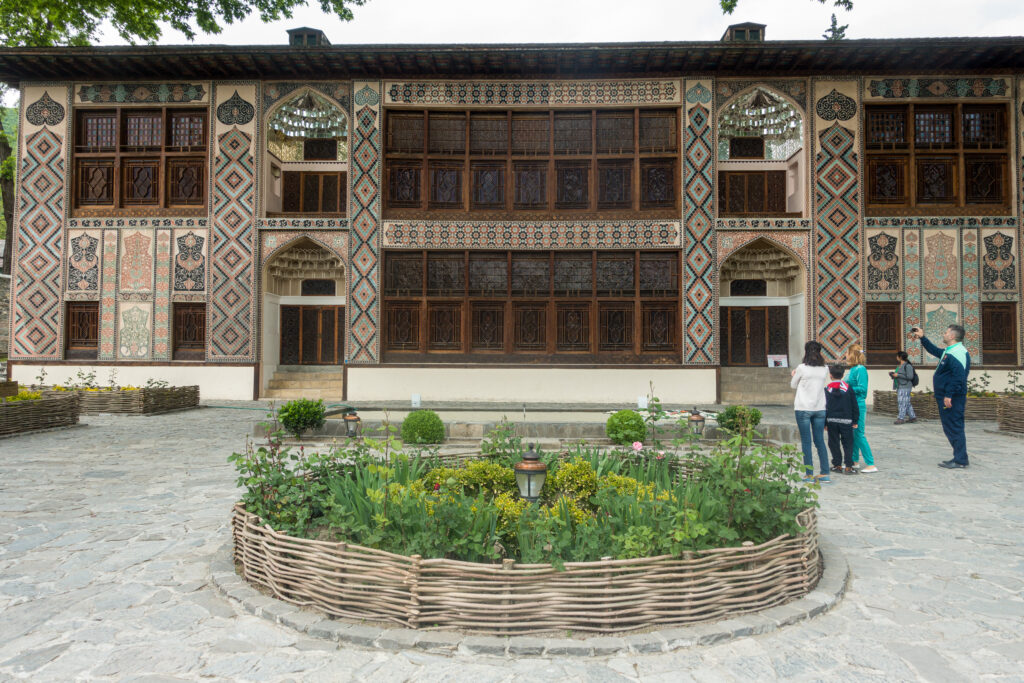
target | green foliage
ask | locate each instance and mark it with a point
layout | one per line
(595, 504)
(422, 426)
(78, 22)
(626, 426)
(23, 395)
(835, 31)
(501, 444)
(980, 385)
(301, 415)
(729, 6)
(739, 419)
(1014, 384)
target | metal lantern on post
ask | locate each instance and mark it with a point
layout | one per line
(352, 425)
(530, 475)
(696, 422)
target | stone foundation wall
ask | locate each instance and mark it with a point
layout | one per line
(5, 314)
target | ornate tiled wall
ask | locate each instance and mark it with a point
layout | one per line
(39, 222)
(275, 241)
(700, 284)
(231, 312)
(532, 93)
(837, 234)
(531, 235)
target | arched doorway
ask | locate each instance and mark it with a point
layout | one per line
(762, 304)
(303, 307)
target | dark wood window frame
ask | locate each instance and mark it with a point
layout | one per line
(296, 197)
(176, 146)
(883, 332)
(999, 330)
(82, 330)
(512, 306)
(550, 141)
(770, 185)
(906, 142)
(188, 332)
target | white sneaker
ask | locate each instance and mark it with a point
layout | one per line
(869, 470)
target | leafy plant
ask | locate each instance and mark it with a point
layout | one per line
(41, 377)
(301, 415)
(626, 426)
(1014, 384)
(152, 383)
(739, 419)
(502, 444)
(24, 395)
(422, 426)
(979, 385)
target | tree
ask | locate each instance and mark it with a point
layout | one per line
(729, 5)
(45, 23)
(835, 31)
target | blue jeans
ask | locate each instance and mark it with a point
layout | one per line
(812, 423)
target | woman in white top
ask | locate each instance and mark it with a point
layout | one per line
(809, 380)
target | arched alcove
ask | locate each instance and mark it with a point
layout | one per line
(762, 299)
(761, 155)
(304, 287)
(306, 154)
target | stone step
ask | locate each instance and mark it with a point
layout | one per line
(329, 394)
(309, 369)
(324, 385)
(310, 376)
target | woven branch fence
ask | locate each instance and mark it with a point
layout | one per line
(8, 388)
(47, 412)
(977, 408)
(145, 401)
(1011, 414)
(505, 599)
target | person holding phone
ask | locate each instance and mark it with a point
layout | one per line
(950, 383)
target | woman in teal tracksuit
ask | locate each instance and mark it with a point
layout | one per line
(857, 378)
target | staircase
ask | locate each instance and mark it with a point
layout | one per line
(756, 386)
(307, 381)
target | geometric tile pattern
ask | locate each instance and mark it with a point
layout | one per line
(971, 295)
(37, 290)
(364, 277)
(162, 297)
(912, 279)
(533, 93)
(763, 224)
(231, 313)
(837, 236)
(108, 296)
(137, 222)
(937, 317)
(142, 92)
(943, 222)
(527, 235)
(299, 223)
(897, 88)
(700, 309)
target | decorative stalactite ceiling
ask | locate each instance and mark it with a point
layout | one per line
(306, 117)
(761, 114)
(760, 262)
(306, 262)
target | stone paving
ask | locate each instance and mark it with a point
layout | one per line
(107, 531)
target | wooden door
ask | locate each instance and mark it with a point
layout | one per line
(998, 333)
(750, 334)
(312, 335)
(882, 332)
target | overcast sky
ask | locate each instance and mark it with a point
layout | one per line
(568, 21)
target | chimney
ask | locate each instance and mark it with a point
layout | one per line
(747, 32)
(307, 37)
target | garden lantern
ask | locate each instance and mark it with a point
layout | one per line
(696, 422)
(352, 425)
(530, 475)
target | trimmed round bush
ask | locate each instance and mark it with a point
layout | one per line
(301, 415)
(422, 426)
(739, 418)
(626, 426)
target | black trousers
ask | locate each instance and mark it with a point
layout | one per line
(840, 434)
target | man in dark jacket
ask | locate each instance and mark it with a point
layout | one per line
(950, 388)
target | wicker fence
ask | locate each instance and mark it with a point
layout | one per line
(505, 599)
(978, 407)
(8, 389)
(47, 412)
(1011, 414)
(145, 401)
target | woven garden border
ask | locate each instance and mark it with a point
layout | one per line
(1011, 414)
(8, 388)
(608, 596)
(977, 408)
(144, 401)
(49, 412)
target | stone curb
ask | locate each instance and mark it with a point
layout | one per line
(824, 597)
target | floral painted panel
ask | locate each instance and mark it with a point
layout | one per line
(883, 261)
(999, 268)
(137, 261)
(84, 262)
(134, 333)
(190, 261)
(941, 264)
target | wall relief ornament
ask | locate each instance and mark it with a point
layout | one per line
(136, 263)
(883, 263)
(235, 111)
(44, 111)
(134, 332)
(836, 106)
(998, 271)
(83, 266)
(698, 93)
(141, 92)
(941, 264)
(190, 264)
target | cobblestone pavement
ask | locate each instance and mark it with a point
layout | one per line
(107, 531)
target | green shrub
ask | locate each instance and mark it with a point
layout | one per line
(574, 480)
(422, 426)
(626, 426)
(301, 415)
(24, 395)
(740, 419)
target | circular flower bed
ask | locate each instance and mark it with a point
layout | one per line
(618, 541)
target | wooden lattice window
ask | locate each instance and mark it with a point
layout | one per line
(320, 149)
(446, 274)
(748, 288)
(488, 274)
(530, 275)
(488, 185)
(405, 132)
(615, 326)
(83, 330)
(659, 326)
(658, 131)
(488, 133)
(403, 274)
(999, 333)
(529, 331)
(447, 133)
(488, 327)
(531, 134)
(530, 186)
(746, 148)
(572, 185)
(657, 183)
(614, 184)
(937, 158)
(572, 133)
(659, 274)
(572, 322)
(752, 193)
(883, 331)
(319, 288)
(126, 159)
(189, 332)
(574, 275)
(615, 132)
(444, 321)
(403, 326)
(307, 192)
(404, 184)
(615, 274)
(445, 185)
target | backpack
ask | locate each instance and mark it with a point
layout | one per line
(915, 380)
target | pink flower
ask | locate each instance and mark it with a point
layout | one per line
(637, 446)
(437, 486)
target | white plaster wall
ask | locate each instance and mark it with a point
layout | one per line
(879, 379)
(215, 382)
(797, 329)
(674, 386)
(271, 347)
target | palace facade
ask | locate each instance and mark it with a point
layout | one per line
(512, 222)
